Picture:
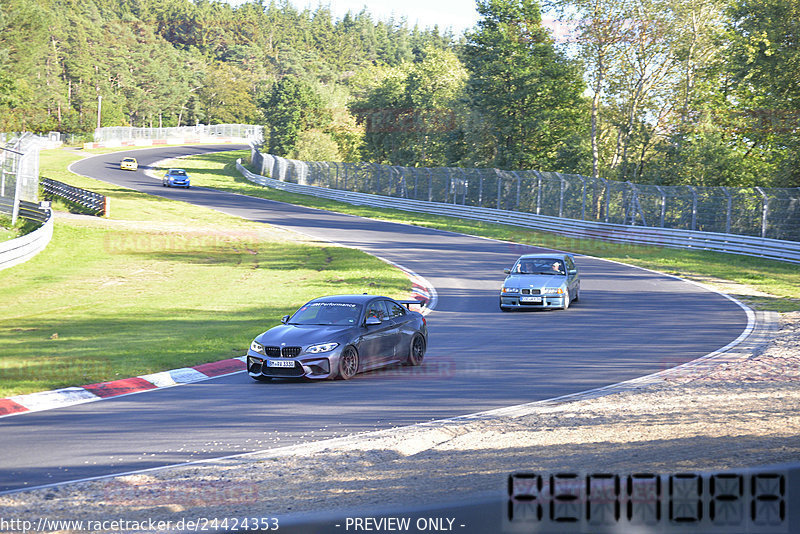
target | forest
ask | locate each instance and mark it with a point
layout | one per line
(666, 92)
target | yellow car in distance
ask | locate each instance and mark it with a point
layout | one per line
(128, 164)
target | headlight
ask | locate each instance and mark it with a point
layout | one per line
(322, 347)
(255, 346)
(551, 290)
(510, 290)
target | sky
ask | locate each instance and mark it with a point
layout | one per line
(457, 15)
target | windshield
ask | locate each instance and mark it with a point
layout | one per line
(539, 266)
(333, 313)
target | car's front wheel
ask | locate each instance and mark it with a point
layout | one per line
(417, 351)
(348, 363)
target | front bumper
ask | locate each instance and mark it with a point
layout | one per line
(174, 183)
(548, 301)
(309, 366)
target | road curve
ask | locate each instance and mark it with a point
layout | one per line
(629, 322)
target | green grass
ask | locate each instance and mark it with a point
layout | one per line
(779, 281)
(5, 233)
(158, 285)
(12, 231)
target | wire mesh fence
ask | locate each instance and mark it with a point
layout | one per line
(128, 133)
(19, 171)
(761, 212)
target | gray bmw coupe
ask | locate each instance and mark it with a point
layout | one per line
(339, 336)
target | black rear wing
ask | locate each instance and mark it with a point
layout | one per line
(409, 303)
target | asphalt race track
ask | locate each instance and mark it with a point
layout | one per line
(629, 322)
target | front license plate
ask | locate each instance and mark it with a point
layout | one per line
(530, 299)
(280, 363)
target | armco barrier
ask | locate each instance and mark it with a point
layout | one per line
(23, 248)
(773, 249)
(94, 202)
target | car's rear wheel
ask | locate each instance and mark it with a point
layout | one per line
(416, 351)
(348, 363)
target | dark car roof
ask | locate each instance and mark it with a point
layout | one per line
(545, 255)
(352, 299)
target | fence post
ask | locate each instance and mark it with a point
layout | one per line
(519, 185)
(663, 206)
(560, 195)
(430, 184)
(583, 197)
(480, 188)
(764, 212)
(499, 185)
(728, 210)
(694, 207)
(538, 192)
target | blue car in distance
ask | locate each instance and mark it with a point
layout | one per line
(176, 178)
(538, 281)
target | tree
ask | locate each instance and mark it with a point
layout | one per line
(292, 107)
(411, 111)
(529, 93)
(765, 65)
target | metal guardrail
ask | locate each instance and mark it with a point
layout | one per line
(95, 202)
(774, 249)
(752, 211)
(23, 248)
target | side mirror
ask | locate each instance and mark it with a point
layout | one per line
(573, 271)
(285, 319)
(372, 321)
(507, 271)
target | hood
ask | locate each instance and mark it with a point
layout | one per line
(301, 335)
(534, 280)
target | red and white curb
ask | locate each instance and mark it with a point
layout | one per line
(46, 400)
